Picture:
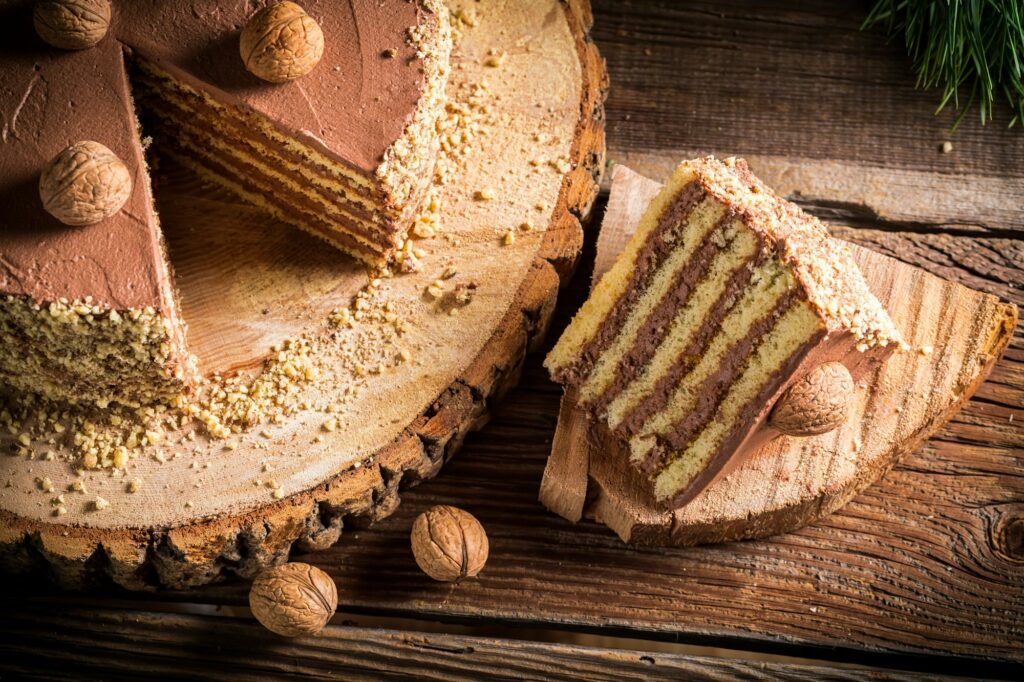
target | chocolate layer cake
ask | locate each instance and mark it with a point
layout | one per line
(88, 313)
(723, 297)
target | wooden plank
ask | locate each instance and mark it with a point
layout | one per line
(140, 645)
(784, 79)
(824, 112)
(860, 192)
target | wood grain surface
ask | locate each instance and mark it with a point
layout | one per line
(138, 645)
(205, 510)
(954, 336)
(924, 570)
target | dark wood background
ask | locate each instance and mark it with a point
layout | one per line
(923, 572)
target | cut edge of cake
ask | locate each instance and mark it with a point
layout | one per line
(408, 166)
(132, 356)
(366, 215)
(724, 294)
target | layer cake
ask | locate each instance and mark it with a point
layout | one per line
(88, 314)
(724, 296)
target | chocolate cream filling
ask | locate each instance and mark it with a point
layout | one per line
(172, 132)
(655, 250)
(659, 322)
(711, 392)
(145, 75)
(685, 361)
(220, 168)
(742, 425)
(154, 101)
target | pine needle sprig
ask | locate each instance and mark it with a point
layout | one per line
(972, 49)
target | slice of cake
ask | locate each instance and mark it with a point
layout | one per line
(87, 312)
(346, 152)
(724, 296)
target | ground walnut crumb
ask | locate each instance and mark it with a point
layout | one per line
(435, 290)
(463, 293)
(495, 58)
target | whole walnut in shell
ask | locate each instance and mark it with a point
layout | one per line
(449, 544)
(84, 184)
(71, 24)
(281, 43)
(293, 599)
(816, 403)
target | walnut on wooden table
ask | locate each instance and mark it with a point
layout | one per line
(293, 599)
(449, 544)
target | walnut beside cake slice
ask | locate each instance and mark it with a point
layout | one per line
(725, 296)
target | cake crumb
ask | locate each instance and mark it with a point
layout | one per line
(509, 239)
(435, 290)
(99, 504)
(485, 194)
(390, 53)
(495, 58)
(463, 294)
(946, 147)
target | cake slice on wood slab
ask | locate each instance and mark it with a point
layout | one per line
(725, 297)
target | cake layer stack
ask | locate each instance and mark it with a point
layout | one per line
(723, 297)
(362, 206)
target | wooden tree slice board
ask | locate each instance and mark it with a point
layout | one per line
(248, 283)
(956, 335)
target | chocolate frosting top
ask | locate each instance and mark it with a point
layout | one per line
(352, 106)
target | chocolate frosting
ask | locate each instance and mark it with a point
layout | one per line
(352, 106)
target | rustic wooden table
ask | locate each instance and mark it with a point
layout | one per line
(922, 573)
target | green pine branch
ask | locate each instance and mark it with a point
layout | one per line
(972, 49)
